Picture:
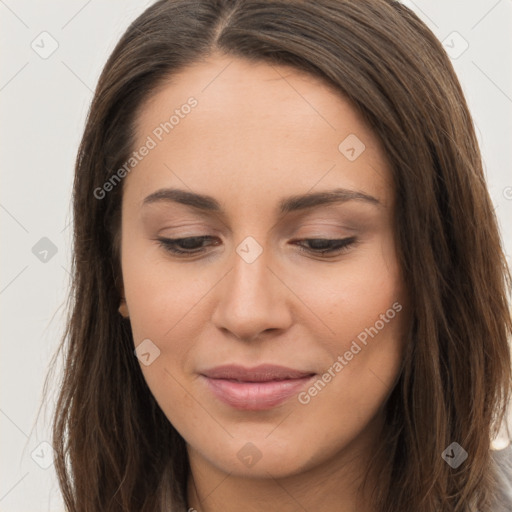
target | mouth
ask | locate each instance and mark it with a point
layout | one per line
(254, 389)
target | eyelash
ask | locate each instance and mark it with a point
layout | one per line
(337, 246)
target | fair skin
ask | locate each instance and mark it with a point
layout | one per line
(259, 134)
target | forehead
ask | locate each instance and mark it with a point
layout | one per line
(257, 130)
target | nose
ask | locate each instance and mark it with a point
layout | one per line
(252, 300)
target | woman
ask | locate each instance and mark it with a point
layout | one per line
(289, 291)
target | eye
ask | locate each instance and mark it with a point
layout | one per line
(195, 245)
(332, 247)
(190, 245)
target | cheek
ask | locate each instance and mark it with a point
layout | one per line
(164, 307)
(160, 295)
(363, 307)
(365, 357)
(351, 295)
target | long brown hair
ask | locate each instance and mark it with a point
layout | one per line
(115, 449)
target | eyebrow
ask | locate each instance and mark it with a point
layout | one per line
(287, 205)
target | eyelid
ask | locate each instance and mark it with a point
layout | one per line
(335, 246)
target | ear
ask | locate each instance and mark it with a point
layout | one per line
(123, 307)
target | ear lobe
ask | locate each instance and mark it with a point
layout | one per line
(123, 309)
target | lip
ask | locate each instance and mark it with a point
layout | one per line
(258, 388)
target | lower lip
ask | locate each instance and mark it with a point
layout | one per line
(255, 396)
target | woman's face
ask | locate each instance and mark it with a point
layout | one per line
(263, 143)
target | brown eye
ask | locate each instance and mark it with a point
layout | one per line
(327, 246)
(189, 245)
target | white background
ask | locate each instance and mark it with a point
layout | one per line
(43, 105)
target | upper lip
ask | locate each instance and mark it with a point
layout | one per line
(261, 373)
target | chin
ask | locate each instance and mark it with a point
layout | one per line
(259, 458)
